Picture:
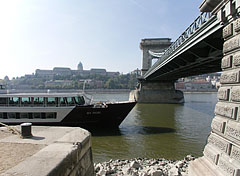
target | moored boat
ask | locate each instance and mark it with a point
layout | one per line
(67, 109)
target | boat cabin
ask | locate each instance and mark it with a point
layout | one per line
(42, 100)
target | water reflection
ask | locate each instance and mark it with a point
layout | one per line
(130, 130)
(158, 130)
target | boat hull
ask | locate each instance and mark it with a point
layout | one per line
(108, 115)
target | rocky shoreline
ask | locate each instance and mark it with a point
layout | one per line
(144, 167)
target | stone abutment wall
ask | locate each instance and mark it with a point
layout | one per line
(222, 152)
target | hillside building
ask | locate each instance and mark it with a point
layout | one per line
(65, 71)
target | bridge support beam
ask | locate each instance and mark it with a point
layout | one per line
(221, 155)
(157, 92)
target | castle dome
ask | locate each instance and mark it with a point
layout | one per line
(80, 66)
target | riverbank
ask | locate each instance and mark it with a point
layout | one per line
(65, 90)
(144, 167)
(199, 90)
(96, 90)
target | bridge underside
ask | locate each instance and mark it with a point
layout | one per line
(204, 57)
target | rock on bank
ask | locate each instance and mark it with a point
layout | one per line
(144, 167)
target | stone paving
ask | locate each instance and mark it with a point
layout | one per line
(50, 151)
(12, 153)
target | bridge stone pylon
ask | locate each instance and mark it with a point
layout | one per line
(155, 91)
(221, 155)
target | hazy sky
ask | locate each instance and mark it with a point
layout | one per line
(100, 33)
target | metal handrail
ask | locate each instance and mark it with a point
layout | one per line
(195, 26)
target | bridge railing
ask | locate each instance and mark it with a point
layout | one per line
(200, 21)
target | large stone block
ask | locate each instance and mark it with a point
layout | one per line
(227, 167)
(233, 130)
(235, 153)
(203, 167)
(228, 31)
(218, 142)
(85, 166)
(236, 59)
(218, 124)
(211, 154)
(86, 160)
(237, 25)
(235, 93)
(227, 62)
(225, 109)
(231, 44)
(223, 93)
(229, 77)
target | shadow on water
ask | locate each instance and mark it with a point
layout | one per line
(131, 130)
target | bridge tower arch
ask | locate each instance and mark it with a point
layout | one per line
(149, 91)
(148, 45)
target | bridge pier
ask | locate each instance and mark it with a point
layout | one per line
(149, 91)
(221, 155)
(157, 92)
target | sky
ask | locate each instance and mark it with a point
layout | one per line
(43, 34)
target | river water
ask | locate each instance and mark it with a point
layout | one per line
(168, 131)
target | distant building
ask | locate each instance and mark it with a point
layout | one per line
(58, 83)
(198, 84)
(98, 71)
(180, 85)
(113, 73)
(80, 66)
(64, 71)
(29, 76)
(137, 72)
(44, 73)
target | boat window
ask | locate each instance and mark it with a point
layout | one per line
(24, 116)
(80, 100)
(13, 101)
(26, 101)
(51, 101)
(70, 101)
(38, 101)
(3, 101)
(5, 115)
(36, 115)
(62, 101)
(43, 115)
(30, 115)
(51, 115)
(11, 115)
(1, 115)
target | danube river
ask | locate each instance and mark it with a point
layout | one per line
(168, 131)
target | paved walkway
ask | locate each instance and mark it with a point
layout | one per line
(13, 153)
(50, 151)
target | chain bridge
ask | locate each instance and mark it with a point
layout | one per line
(198, 50)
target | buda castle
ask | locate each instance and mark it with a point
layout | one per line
(65, 71)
